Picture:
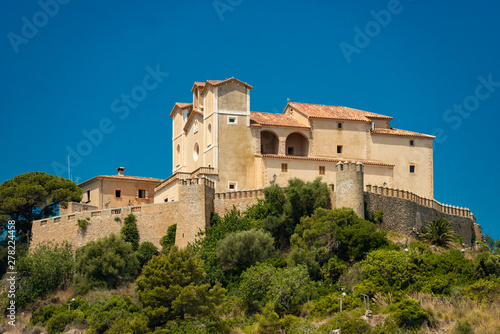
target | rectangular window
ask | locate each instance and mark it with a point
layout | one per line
(289, 151)
(232, 120)
(339, 149)
(339, 126)
(232, 185)
(88, 195)
(412, 143)
(118, 193)
(165, 200)
(412, 169)
(142, 193)
(321, 170)
(284, 168)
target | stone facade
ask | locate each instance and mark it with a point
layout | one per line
(350, 187)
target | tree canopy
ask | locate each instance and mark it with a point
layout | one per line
(34, 195)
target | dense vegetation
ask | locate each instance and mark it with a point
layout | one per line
(289, 264)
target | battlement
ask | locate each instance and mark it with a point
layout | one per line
(347, 166)
(426, 202)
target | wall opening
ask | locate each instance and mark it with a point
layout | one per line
(297, 144)
(269, 143)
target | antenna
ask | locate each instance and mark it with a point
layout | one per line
(77, 179)
(287, 99)
(69, 174)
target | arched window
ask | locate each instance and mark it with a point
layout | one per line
(196, 151)
(209, 134)
(297, 144)
(178, 155)
(269, 143)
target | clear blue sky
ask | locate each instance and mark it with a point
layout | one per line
(64, 69)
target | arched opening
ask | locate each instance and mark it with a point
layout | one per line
(178, 155)
(196, 151)
(297, 144)
(209, 134)
(268, 143)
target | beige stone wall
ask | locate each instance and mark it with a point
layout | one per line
(349, 187)
(95, 194)
(382, 123)
(297, 115)
(352, 138)
(241, 200)
(152, 222)
(194, 135)
(397, 150)
(76, 207)
(232, 96)
(170, 192)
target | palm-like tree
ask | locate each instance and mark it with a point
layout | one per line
(439, 232)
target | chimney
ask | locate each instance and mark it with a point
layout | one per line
(120, 170)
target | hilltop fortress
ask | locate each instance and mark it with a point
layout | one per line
(224, 155)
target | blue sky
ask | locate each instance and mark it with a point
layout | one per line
(68, 66)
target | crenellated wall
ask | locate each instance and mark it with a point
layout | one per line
(404, 212)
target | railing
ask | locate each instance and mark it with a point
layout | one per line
(240, 194)
(186, 175)
(430, 203)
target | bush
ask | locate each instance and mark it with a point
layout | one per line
(130, 232)
(146, 252)
(482, 290)
(408, 313)
(463, 327)
(43, 314)
(58, 322)
(46, 269)
(355, 326)
(104, 263)
(269, 321)
(83, 223)
(168, 240)
(244, 248)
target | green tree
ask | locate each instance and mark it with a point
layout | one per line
(130, 232)
(173, 286)
(244, 248)
(168, 240)
(146, 252)
(47, 268)
(104, 263)
(34, 195)
(439, 232)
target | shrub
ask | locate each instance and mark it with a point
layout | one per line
(355, 326)
(408, 313)
(482, 290)
(146, 252)
(269, 321)
(129, 231)
(43, 314)
(168, 240)
(46, 269)
(242, 249)
(439, 232)
(463, 327)
(104, 263)
(83, 223)
(58, 322)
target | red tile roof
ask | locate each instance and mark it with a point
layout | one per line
(295, 157)
(198, 84)
(259, 119)
(181, 106)
(398, 132)
(220, 82)
(334, 112)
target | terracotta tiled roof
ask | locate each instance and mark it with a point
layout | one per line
(198, 84)
(334, 112)
(295, 157)
(220, 82)
(181, 106)
(398, 132)
(261, 119)
(122, 177)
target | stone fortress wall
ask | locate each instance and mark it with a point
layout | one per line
(404, 212)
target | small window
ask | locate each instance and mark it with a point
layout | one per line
(165, 200)
(118, 193)
(196, 151)
(339, 149)
(284, 168)
(232, 185)
(289, 151)
(88, 195)
(142, 193)
(339, 126)
(232, 120)
(412, 169)
(321, 170)
(412, 143)
(195, 125)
